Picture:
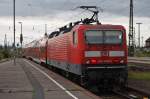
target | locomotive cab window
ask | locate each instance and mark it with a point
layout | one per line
(75, 38)
(113, 37)
(103, 37)
(94, 37)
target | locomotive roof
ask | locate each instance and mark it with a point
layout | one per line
(86, 26)
(148, 40)
(79, 26)
(100, 26)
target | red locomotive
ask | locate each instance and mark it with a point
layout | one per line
(93, 53)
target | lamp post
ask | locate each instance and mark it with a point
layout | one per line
(45, 28)
(14, 17)
(139, 35)
(21, 36)
(142, 41)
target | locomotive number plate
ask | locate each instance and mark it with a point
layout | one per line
(104, 53)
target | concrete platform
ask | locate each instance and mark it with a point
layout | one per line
(28, 80)
(13, 82)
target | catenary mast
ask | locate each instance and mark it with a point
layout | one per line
(131, 45)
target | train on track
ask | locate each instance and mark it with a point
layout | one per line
(91, 52)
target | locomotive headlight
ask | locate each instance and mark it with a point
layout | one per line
(122, 61)
(88, 62)
(93, 61)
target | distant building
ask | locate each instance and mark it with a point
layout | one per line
(147, 42)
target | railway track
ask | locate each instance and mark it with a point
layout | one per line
(132, 93)
(139, 61)
(124, 95)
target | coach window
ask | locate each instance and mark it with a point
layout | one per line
(75, 38)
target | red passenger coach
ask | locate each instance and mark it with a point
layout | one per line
(31, 51)
(93, 53)
(43, 50)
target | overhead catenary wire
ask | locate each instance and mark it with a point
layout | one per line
(69, 18)
(94, 10)
(72, 17)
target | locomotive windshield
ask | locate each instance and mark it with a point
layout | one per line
(103, 37)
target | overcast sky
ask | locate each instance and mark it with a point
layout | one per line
(56, 13)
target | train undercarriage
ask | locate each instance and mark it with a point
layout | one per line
(106, 78)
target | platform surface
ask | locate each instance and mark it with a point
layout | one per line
(28, 80)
